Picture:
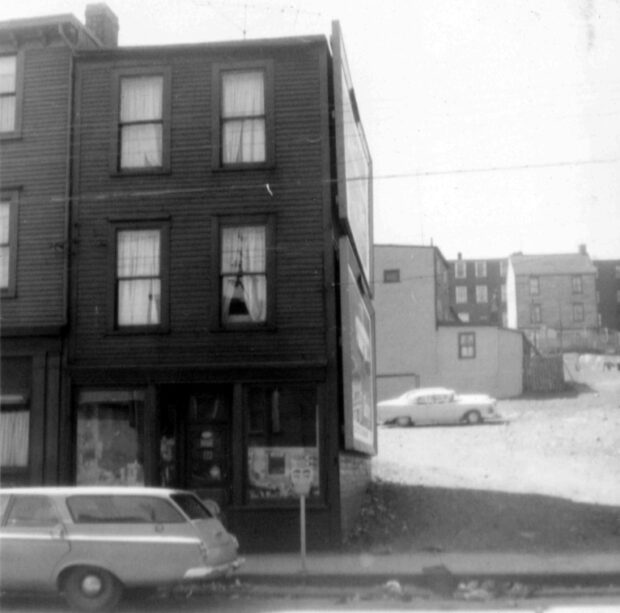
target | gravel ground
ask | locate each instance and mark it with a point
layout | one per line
(547, 479)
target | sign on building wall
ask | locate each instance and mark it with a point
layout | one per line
(353, 160)
(358, 355)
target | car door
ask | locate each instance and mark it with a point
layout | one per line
(32, 542)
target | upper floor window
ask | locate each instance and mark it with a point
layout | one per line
(577, 284)
(246, 273)
(467, 345)
(461, 294)
(482, 294)
(9, 94)
(460, 269)
(481, 269)
(141, 142)
(8, 243)
(243, 109)
(578, 314)
(391, 276)
(140, 277)
(534, 286)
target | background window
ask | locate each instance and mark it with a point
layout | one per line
(482, 294)
(391, 276)
(577, 284)
(461, 294)
(14, 431)
(535, 314)
(467, 345)
(578, 314)
(243, 120)
(481, 269)
(534, 286)
(138, 278)
(8, 93)
(5, 244)
(460, 269)
(141, 122)
(243, 274)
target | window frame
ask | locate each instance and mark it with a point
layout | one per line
(480, 267)
(467, 342)
(268, 220)
(11, 197)
(166, 120)
(116, 226)
(458, 294)
(534, 285)
(479, 288)
(577, 284)
(579, 314)
(16, 132)
(219, 68)
(460, 269)
(391, 275)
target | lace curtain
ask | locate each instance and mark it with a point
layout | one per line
(141, 122)
(8, 71)
(5, 212)
(243, 113)
(139, 284)
(14, 427)
(244, 279)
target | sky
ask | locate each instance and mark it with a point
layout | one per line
(494, 126)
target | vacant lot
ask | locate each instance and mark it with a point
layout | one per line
(548, 478)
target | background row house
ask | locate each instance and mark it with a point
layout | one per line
(213, 262)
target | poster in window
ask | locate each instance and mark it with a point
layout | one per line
(269, 471)
(357, 319)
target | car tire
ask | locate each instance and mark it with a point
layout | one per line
(88, 588)
(472, 417)
(404, 422)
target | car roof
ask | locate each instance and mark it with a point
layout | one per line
(94, 490)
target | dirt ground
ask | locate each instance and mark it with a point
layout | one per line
(545, 480)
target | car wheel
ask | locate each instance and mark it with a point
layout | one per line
(404, 422)
(88, 588)
(472, 417)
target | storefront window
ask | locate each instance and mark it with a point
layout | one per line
(14, 431)
(109, 437)
(282, 434)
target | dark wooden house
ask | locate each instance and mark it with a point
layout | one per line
(36, 58)
(221, 330)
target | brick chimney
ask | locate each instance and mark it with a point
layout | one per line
(103, 23)
(583, 250)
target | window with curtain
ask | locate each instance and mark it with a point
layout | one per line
(461, 294)
(243, 274)
(8, 93)
(243, 117)
(141, 122)
(138, 277)
(467, 345)
(5, 243)
(482, 294)
(14, 431)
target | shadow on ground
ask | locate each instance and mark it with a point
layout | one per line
(400, 518)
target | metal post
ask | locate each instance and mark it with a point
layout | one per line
(302, 531)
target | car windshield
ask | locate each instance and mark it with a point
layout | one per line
(191, 506)
(122, 509)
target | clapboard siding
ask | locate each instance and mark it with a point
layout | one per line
(191, 196)
(36, 165)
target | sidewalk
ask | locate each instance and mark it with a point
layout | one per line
(349, 568)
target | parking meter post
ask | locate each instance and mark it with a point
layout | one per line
(302, 531)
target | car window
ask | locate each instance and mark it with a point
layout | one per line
(32, 511)
(424, 400)
(192, 506)
(122, 509)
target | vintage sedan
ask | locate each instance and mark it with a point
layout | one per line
(92, 543)
(437, 405)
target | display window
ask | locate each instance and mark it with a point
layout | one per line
(109, 427)
(282, 434)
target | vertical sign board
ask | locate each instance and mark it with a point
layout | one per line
(358, 355)
(353, 160)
